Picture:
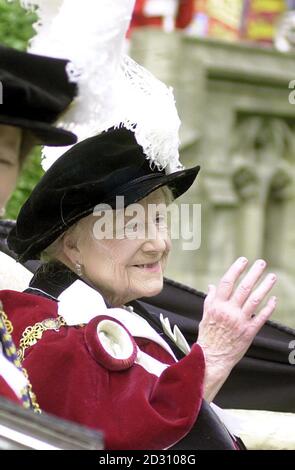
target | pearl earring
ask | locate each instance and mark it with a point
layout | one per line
(79, 269)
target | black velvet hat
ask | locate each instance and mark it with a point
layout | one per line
(35, 90)
(92, 172)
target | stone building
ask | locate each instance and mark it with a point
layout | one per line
(237, 105)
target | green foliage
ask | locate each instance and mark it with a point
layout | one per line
(15, 24)
(29, 177)
(15, 31)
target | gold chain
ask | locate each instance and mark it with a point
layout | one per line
(7, 323)
(32, 395)
(33, 334)
(28, 389)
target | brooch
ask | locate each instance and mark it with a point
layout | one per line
(110, 343)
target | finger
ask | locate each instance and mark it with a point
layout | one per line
(259, 294)
(246, 286)
(227, 282)
(264, 314)
(210, 296)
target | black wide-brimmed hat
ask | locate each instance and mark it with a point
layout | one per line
(92, 172)
(35, 91)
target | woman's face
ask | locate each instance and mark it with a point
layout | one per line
(10, 143)
(125, 269)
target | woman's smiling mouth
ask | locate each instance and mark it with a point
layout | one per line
(150, 267)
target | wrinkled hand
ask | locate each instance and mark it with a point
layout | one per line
(231, 319)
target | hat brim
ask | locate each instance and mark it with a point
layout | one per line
(178, 182)
(45, 133)
(137, 189)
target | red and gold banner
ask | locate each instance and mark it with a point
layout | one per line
(260, 19)
(218, 18)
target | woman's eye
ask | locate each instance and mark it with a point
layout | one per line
(131, 228)
(161, 219)
(133, 231)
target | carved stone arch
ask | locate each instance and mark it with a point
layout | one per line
(245, 139)
(281, 183)
(279, 223)
(246, 182)
(249, 218)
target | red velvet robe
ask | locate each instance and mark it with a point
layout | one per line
(135, 408)
(184, 15)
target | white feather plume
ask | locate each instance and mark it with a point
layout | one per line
(113, 89)
(147, 106)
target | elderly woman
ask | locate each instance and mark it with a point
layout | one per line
(34, 91)
(93, 354)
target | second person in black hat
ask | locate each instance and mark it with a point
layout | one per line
(34, 92)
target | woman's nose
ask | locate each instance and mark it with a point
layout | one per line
(158, 242)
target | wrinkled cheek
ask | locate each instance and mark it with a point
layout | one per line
(133, 283)
(120, 278)
(102, 270)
